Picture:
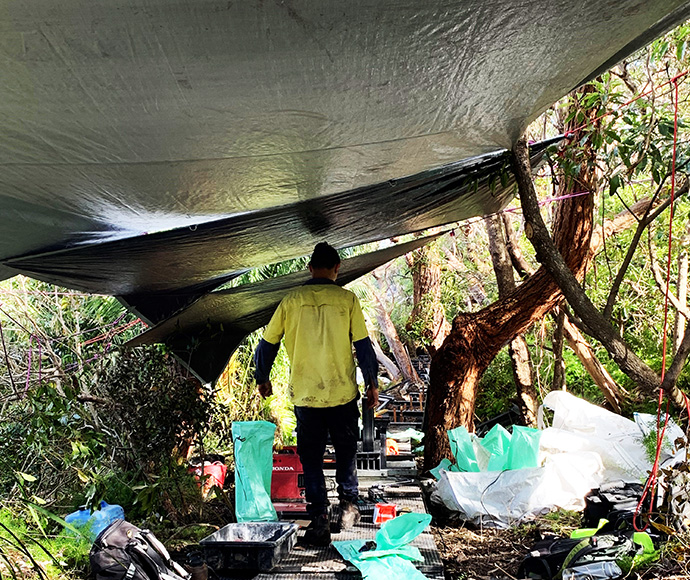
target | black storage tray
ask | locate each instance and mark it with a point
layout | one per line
(249, 546)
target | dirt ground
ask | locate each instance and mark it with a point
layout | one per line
(489, 554)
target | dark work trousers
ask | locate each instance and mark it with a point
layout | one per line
(313, 426)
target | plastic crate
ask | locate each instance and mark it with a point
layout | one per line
(249, 546)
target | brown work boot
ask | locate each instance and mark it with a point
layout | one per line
(349, 515)
(318, 532)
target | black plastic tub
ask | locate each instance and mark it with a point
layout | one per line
(249, 546)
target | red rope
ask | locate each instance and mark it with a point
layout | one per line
(652, 480)
(674, 80)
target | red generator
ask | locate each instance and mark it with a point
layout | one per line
(287, 483)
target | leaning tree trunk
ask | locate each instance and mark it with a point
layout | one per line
(384, 361)
(517, 350)
(387, 328)
(682, 291)
(558, 380)
(476, 338)
(584, 351)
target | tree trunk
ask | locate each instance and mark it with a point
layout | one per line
(558, 381)
(387, 328)
(477, 337)
(521, 265)
(523, 375)
(682, 291)
(427, 318)
(391, 368)
(518, 351)
(597, 325)
(578, 343)
(640, 211)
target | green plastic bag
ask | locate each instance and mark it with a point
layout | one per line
(382, 564)
(402, 530)
(497, 442)
(445, 465)
(392, 559)
(524, 448)
(253, 442)
(462, 449)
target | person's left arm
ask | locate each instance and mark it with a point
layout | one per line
(366, 357)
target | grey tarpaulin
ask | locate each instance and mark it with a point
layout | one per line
(187, 257)
(125, 117)
(154, 148)
(205, 334)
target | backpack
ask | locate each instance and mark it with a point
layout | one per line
(615, 502)
(546, 558)
(124, 552)
(549, 557)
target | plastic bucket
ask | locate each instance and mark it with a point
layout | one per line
(214, 474)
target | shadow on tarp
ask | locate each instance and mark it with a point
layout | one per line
(208, 254)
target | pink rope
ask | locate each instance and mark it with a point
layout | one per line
(28, 367)
(549, 200)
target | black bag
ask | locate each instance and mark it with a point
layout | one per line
(615, 502)
(549, 557)
(124, 552)
(546, 558)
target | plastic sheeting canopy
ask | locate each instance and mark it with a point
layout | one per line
(204, 335)
(153, 150)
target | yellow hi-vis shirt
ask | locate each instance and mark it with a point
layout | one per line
(319, 323)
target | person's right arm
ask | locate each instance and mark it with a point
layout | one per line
(266, 351)
(264, 355)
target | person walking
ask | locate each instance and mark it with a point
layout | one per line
(319, 322)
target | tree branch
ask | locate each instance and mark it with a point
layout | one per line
(521, 265)
(647, 218)
(547, 254)
(673, 371)
(661, 283)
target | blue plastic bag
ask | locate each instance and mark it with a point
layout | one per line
(253, 443)
(93, 523)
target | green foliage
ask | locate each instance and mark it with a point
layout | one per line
(46, 551)
(496, 388)
(156, 404)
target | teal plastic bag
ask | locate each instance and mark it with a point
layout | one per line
(381, 565)
(392, 559)
(497, 442)
(524, 448)
(253, 442)
(436, 471)
(401, 530)
(462, 449)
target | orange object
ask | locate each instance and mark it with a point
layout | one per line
(392, 447)
(384, 512)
